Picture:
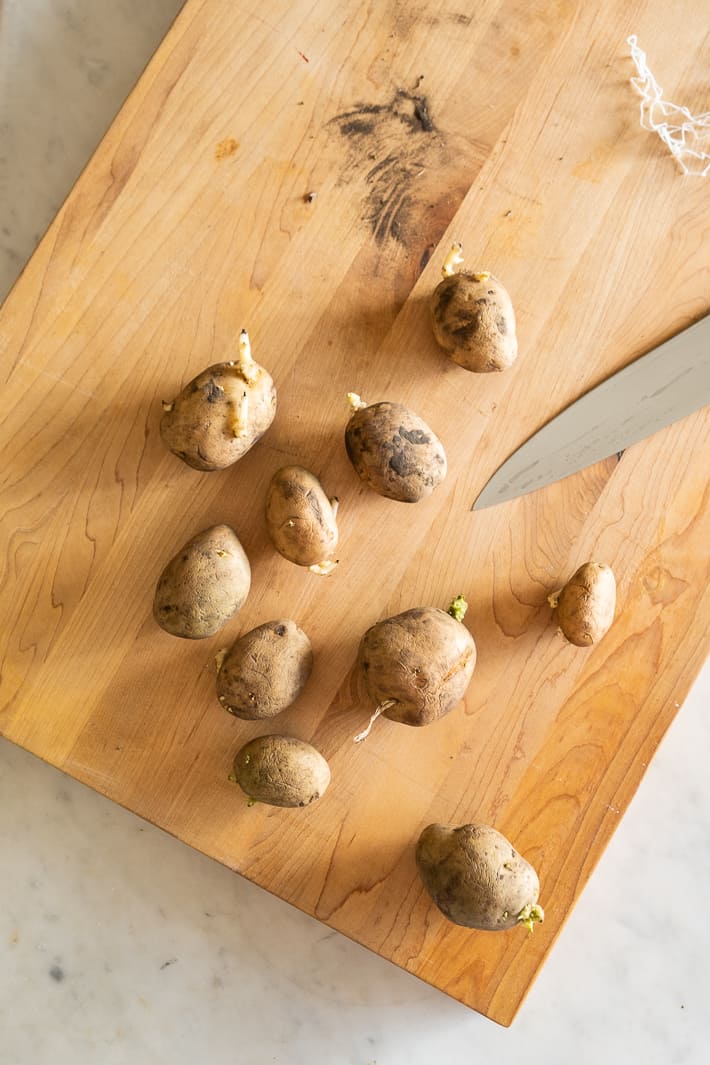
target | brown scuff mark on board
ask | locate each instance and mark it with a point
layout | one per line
(394, 145)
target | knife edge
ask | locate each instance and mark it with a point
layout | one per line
(655, 390)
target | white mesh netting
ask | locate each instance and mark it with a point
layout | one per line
(685, 135)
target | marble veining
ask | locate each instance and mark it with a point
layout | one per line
(118, 944)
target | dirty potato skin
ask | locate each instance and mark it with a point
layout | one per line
(477, 878)
(265, 670)
(474, 321)
(422, 659)
(221, 413)
(281, 771)
(204, 585)
(395, 452)
(586, 604)
(300, 518)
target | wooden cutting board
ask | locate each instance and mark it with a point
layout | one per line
(300, 170)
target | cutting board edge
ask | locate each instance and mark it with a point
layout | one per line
(502, 1016)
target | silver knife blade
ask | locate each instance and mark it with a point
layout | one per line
(659, 388)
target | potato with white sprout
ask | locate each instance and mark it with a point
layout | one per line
(393, 450)
(221, 413)
(473, 318)
(301, 519)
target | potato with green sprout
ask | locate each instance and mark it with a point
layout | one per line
(221, 413)
(473, 318)
(417, 665)
(477, 878)
(393, 450)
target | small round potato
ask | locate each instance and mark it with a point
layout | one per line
(281, 771)
(477, 878)
(204, 585)
(418, 664)
(221, 413)
(301, 519)
(473, 318)
(265, 670)
(586, 604)
(394, 451)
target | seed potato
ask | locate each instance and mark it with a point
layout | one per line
(221, 413)
(417, 665)
(281, 771)
(473, 319)
(265, 670)
(586, 604)
(300, 519)
(393, 450)
(477, 878)
(204, 585)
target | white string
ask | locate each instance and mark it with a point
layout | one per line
(686, 136)
(380, 710)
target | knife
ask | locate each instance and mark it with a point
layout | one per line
(655, 390)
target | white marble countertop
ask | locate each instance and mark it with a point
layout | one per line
(119, 944)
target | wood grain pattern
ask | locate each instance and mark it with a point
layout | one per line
(514, 130)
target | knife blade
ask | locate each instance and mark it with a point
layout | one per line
(659, 388)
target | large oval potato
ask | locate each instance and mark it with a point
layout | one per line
(419, 663)
(204, 585)
(394, 451)
(586, 604)
(281, 771)
(265, 670)
(300, 518)
(477, 878)
(221, 413)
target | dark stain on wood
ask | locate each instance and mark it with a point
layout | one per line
(391, 144)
